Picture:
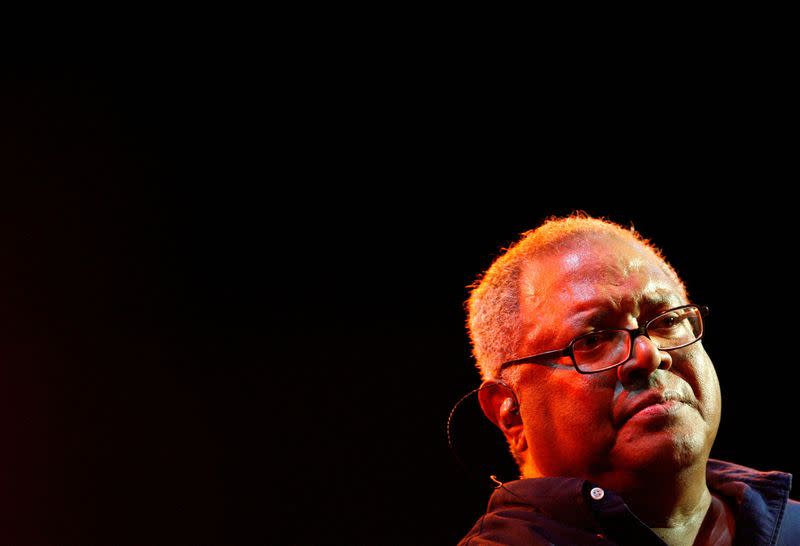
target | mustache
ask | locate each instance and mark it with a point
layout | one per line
(631, 402)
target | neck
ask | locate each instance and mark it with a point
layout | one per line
(672, 505)
(681, 527)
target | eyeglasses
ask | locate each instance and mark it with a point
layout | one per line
(606, 349)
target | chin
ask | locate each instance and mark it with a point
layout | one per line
(664, 450)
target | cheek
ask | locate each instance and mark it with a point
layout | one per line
(706, 386)
(712, 398)
(572, 421)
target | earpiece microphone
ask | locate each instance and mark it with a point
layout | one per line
(510, 405)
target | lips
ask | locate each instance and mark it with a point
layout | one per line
(648, 399)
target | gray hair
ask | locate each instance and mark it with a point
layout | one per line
(493, 307)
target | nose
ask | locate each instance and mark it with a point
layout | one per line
(646, 359)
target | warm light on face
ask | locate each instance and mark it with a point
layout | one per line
(570, 417)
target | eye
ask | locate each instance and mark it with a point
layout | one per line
(669, 324)
(669, 320)
(598, 341)
(590, 342)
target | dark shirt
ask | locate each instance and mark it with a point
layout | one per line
(572, 511)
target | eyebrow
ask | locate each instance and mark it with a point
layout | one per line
(599, 309)
(660, 297)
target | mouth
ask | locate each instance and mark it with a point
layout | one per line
(654, 405)
(663, 408)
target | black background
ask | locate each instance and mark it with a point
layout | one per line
(233, 305)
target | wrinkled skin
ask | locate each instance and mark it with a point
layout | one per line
(578, 425)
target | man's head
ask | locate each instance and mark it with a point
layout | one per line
(571, 277)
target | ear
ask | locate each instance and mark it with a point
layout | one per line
(499, 404)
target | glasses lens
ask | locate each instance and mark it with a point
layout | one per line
(676, 328)
(600, 350)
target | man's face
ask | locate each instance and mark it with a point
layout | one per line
(588, 425)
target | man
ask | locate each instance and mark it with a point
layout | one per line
(595, 372)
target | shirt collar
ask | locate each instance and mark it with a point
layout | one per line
(758, 498)
(559, 498)
(577, 503)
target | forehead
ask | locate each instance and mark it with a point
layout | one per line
(600, 272)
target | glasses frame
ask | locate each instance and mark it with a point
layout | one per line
(633, 332)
